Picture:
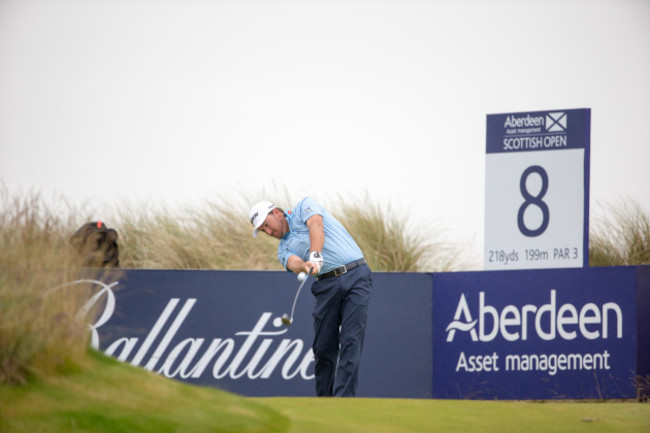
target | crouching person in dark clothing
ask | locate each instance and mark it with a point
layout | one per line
(97, 245)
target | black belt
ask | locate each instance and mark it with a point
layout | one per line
(342, 269)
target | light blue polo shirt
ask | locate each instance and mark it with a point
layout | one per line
(339, 248)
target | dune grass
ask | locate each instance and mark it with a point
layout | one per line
(620, 235)
(214, 236)
(218, 235)
(390, 243)
(39, 333)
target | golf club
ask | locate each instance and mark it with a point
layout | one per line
(286, 319)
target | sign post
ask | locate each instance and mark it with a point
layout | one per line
(537, 190)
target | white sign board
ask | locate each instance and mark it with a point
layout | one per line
(537, 190)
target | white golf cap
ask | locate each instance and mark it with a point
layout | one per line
(258, 214)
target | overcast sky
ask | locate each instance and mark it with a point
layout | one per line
(107, 101)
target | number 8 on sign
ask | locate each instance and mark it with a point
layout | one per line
(537, 163)
(534, 200)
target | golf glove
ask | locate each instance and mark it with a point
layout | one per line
(316, 261)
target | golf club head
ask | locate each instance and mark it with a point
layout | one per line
(286, 320)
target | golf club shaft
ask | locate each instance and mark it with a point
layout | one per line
(295, 299)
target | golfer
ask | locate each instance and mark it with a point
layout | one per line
(312, 239)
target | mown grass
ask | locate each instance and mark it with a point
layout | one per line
(104, 395)
(431, 416)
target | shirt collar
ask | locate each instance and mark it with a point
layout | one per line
(289, 216)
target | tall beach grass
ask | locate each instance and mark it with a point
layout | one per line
(620, 235)
(39, 330)
(218, 235)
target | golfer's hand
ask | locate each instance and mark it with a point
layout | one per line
(315, 261)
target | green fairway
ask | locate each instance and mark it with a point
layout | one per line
(109, 396)
(403, 415)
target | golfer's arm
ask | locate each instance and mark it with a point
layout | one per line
(316, 233)
(297, 265)
(316, 242)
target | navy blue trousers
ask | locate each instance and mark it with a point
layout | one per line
(340, 317)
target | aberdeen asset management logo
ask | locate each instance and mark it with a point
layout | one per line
(546, 322)
(556, 122)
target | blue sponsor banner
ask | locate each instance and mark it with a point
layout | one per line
(536, 334)
(223, 329)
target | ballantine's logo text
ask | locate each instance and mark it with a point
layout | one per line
(547, 321)
(254, 358)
